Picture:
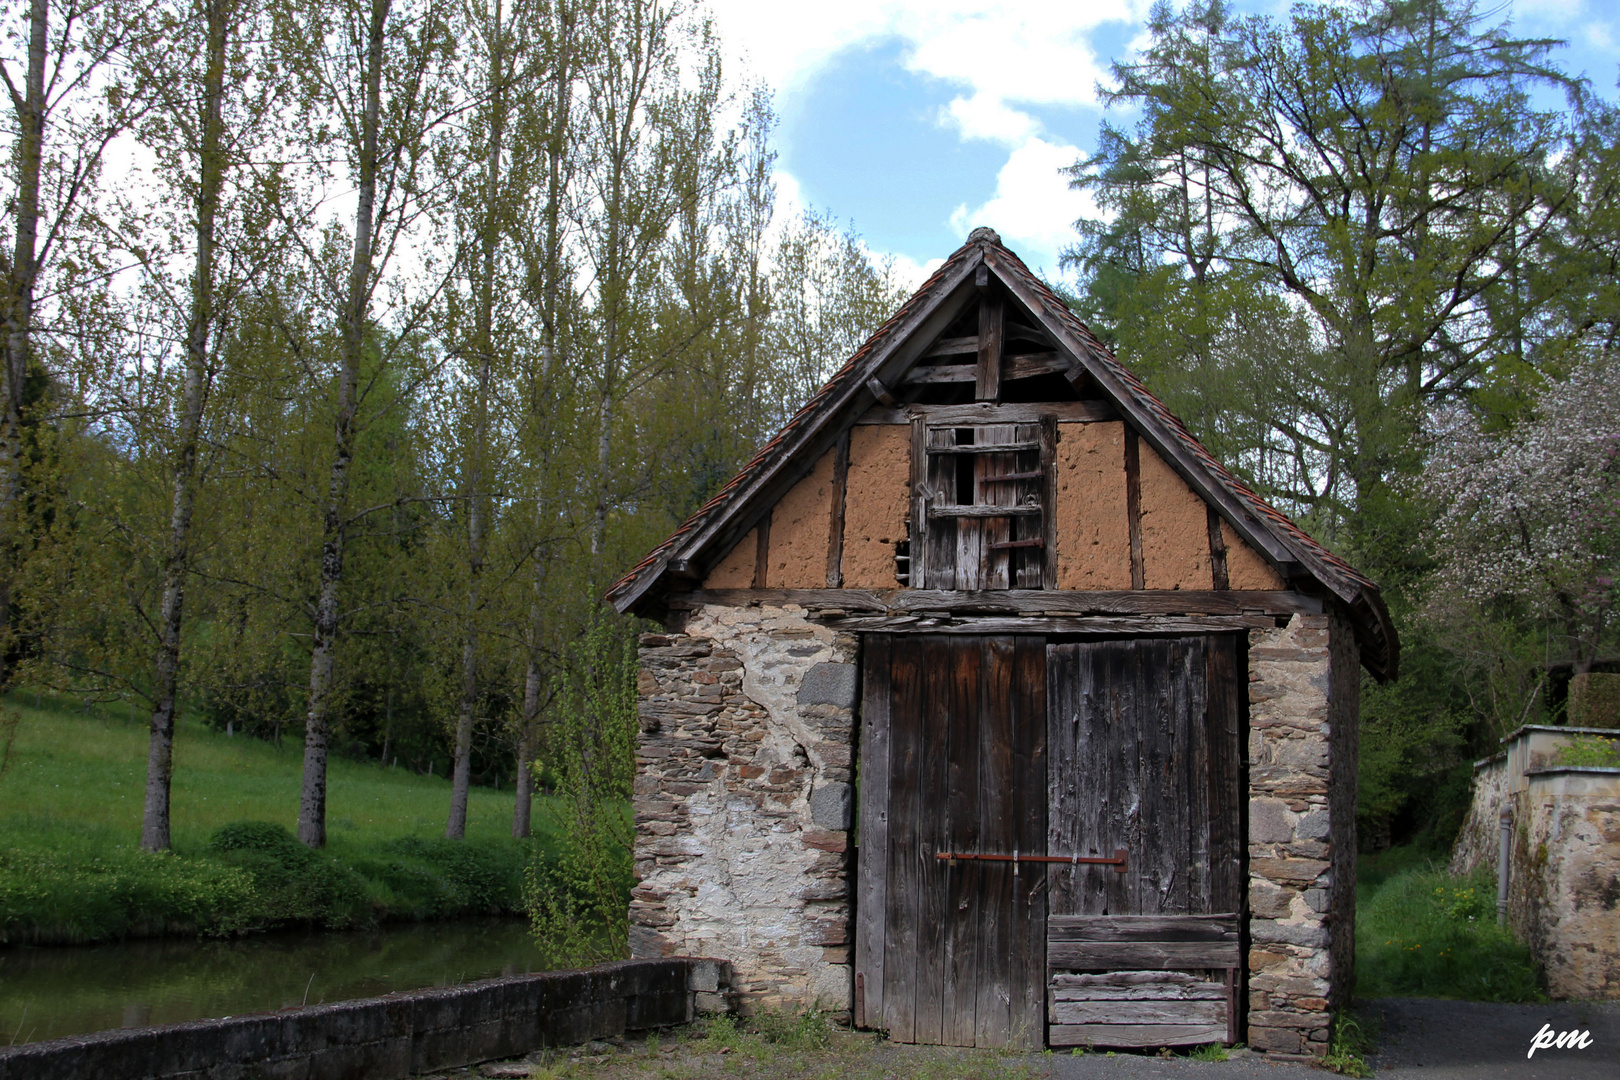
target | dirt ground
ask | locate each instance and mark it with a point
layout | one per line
(1412, 1038)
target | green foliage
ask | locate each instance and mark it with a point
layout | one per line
(579, 901)
(1210, 1052)
(1589, 750)
(1424, 933)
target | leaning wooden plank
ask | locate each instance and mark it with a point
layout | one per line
(1142, 954)
(1135, 1036)
(1140, 1012)
(1142, 928)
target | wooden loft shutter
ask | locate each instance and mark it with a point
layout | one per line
(981, 508)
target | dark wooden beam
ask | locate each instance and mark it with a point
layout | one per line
(1094, 626)
(835, 529)
(987, 385)
(1217, 549)
(982, 412)
(1015, 601)
(1049, 502)
(1133, 506)
(762, 552)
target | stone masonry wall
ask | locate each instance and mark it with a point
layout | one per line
(743, 801)
(1291, 832)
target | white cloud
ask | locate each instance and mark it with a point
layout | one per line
(1034, 208)
(1036, 51)
(985, 116)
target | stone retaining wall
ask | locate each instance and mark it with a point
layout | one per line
(1301, 709)
(743, 801)
(395, 1036)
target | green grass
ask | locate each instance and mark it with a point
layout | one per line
(1421, 932)
(70, 813)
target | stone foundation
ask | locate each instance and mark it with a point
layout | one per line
(1302, 681)
(743, 801)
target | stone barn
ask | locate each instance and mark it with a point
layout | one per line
(991, 709)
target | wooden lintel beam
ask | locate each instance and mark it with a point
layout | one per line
(1017, 601)
(1098, 625)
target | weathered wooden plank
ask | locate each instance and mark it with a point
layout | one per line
(1030, 808)
(762, 553)
(1015, 601)
(946, 668)
(1217, 549)
(1138, 955)
(987, 374)
(835, 531)
(1226, 675)
(959, 512)
(930, 374)
(1101, 625)
(960, 747)
(1125, 978)
(904, 869)
(1140, 1012)
(1029, 365)
(952, 346)
(1195, 807)
(1133, 506)
(1021, 412)
(1142, 927)
(1048, 466)
(1068, 788)
(872, 827)
(997, 565)
(1161, 991)
(1135, 1036)
(998, 831)
(1006, 446)
(920, 498)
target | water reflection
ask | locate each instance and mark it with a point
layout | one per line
(46, 993)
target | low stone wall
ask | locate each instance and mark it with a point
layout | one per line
(1564, 869)
(743, 801)
(395, 1036)
(1301, 686)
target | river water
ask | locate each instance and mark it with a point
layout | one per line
(50, 991)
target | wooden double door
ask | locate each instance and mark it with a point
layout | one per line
(1020, 750)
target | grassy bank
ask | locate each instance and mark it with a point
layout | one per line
(71, 871)
(1421, 932)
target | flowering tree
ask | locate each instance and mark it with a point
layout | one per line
(1530, 516)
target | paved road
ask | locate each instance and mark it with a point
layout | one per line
(1418, 1039)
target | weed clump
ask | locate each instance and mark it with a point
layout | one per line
(1425, 933)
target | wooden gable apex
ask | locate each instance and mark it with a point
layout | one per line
(1025, 339)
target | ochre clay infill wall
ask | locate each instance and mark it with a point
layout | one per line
(391, 1037)
(1091, 519)
(876, 503)
(800, 525)
(1175, 528)
(1093, 533)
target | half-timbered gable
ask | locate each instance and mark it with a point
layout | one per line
(1099, 699)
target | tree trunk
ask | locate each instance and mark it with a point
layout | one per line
(28, 152)
(484, 330)
(176, 560)
(312, 800)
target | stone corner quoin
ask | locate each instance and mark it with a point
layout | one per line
(1303, 682)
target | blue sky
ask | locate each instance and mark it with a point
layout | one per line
(917, 120)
